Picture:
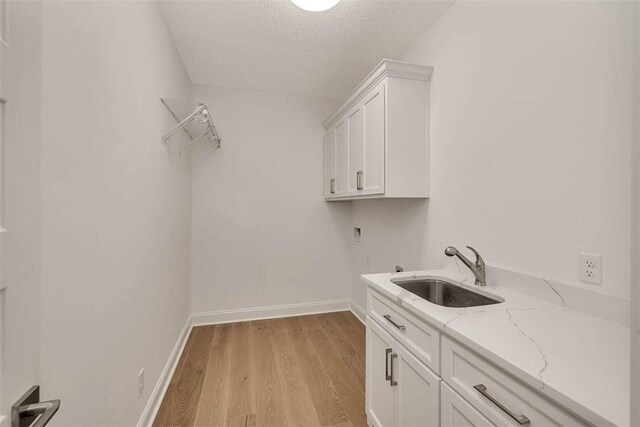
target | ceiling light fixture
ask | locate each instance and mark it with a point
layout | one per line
(315, 5)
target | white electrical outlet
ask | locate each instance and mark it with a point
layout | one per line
(140, 381)
(590, 268)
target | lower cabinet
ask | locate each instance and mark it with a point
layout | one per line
(379, 391)
(418, 392)
(401, 390)
(455, 411)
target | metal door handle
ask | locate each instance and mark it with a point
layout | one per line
(332, 186)
(520, 419)
(387, 377)
(28, 410)
(393, 382)
(388, 317)
(359, 185)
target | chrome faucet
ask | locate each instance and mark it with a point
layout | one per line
(478, 269)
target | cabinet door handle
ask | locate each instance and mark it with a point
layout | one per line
(520, 419)
(359, 185)
(388, 317)
(332, 186)
(387, 377)
(392, 381)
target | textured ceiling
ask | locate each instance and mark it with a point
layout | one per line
(273, 45)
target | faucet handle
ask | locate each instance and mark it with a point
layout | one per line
(479, 260)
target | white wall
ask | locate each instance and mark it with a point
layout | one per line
(21, 195)
(116, 208)
(635, 220)
(262, 234)
(529, 144)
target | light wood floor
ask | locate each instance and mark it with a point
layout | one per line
(297, 371)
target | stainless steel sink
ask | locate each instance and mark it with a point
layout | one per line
(446, 294)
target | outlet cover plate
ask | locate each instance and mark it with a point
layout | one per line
(590, 268)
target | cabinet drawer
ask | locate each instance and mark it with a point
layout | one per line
(496, 394)
(457, 412)
(420, 338)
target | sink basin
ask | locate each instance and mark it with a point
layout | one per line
(446, 294)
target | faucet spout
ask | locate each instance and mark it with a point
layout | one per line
(478, 268)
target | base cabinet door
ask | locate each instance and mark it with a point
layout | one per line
(379, 391)
(417, 391)
(455, 411)
(401, 390)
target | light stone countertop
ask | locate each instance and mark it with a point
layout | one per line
(576, 359)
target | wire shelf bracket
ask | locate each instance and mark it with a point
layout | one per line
(192, 124)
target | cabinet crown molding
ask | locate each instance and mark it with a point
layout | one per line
(386, 68)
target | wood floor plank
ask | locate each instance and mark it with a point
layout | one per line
(186, 391)
(212, 404)
(298, 371)
(355, 331)
(335, 328)
(183, 358)
(325, 399)
(269, 402)
(344, 380)
(298, 404)
(349, 343)
(241, 401)
(250, 420)
(170, 399)
(352, 319)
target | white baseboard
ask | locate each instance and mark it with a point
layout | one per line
(243, 315)
(359, 312)
(151, 410)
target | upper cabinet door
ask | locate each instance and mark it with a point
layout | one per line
(355, 126)
(365, 130)
(330, 164)
(342, 155)
(373, 108)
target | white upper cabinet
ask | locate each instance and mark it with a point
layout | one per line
(376, 142)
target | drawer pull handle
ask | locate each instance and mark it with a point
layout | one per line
(332, 186)
(388, 317)
(359, 185)
(520, 419)
(393, 356)
(387, 377)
